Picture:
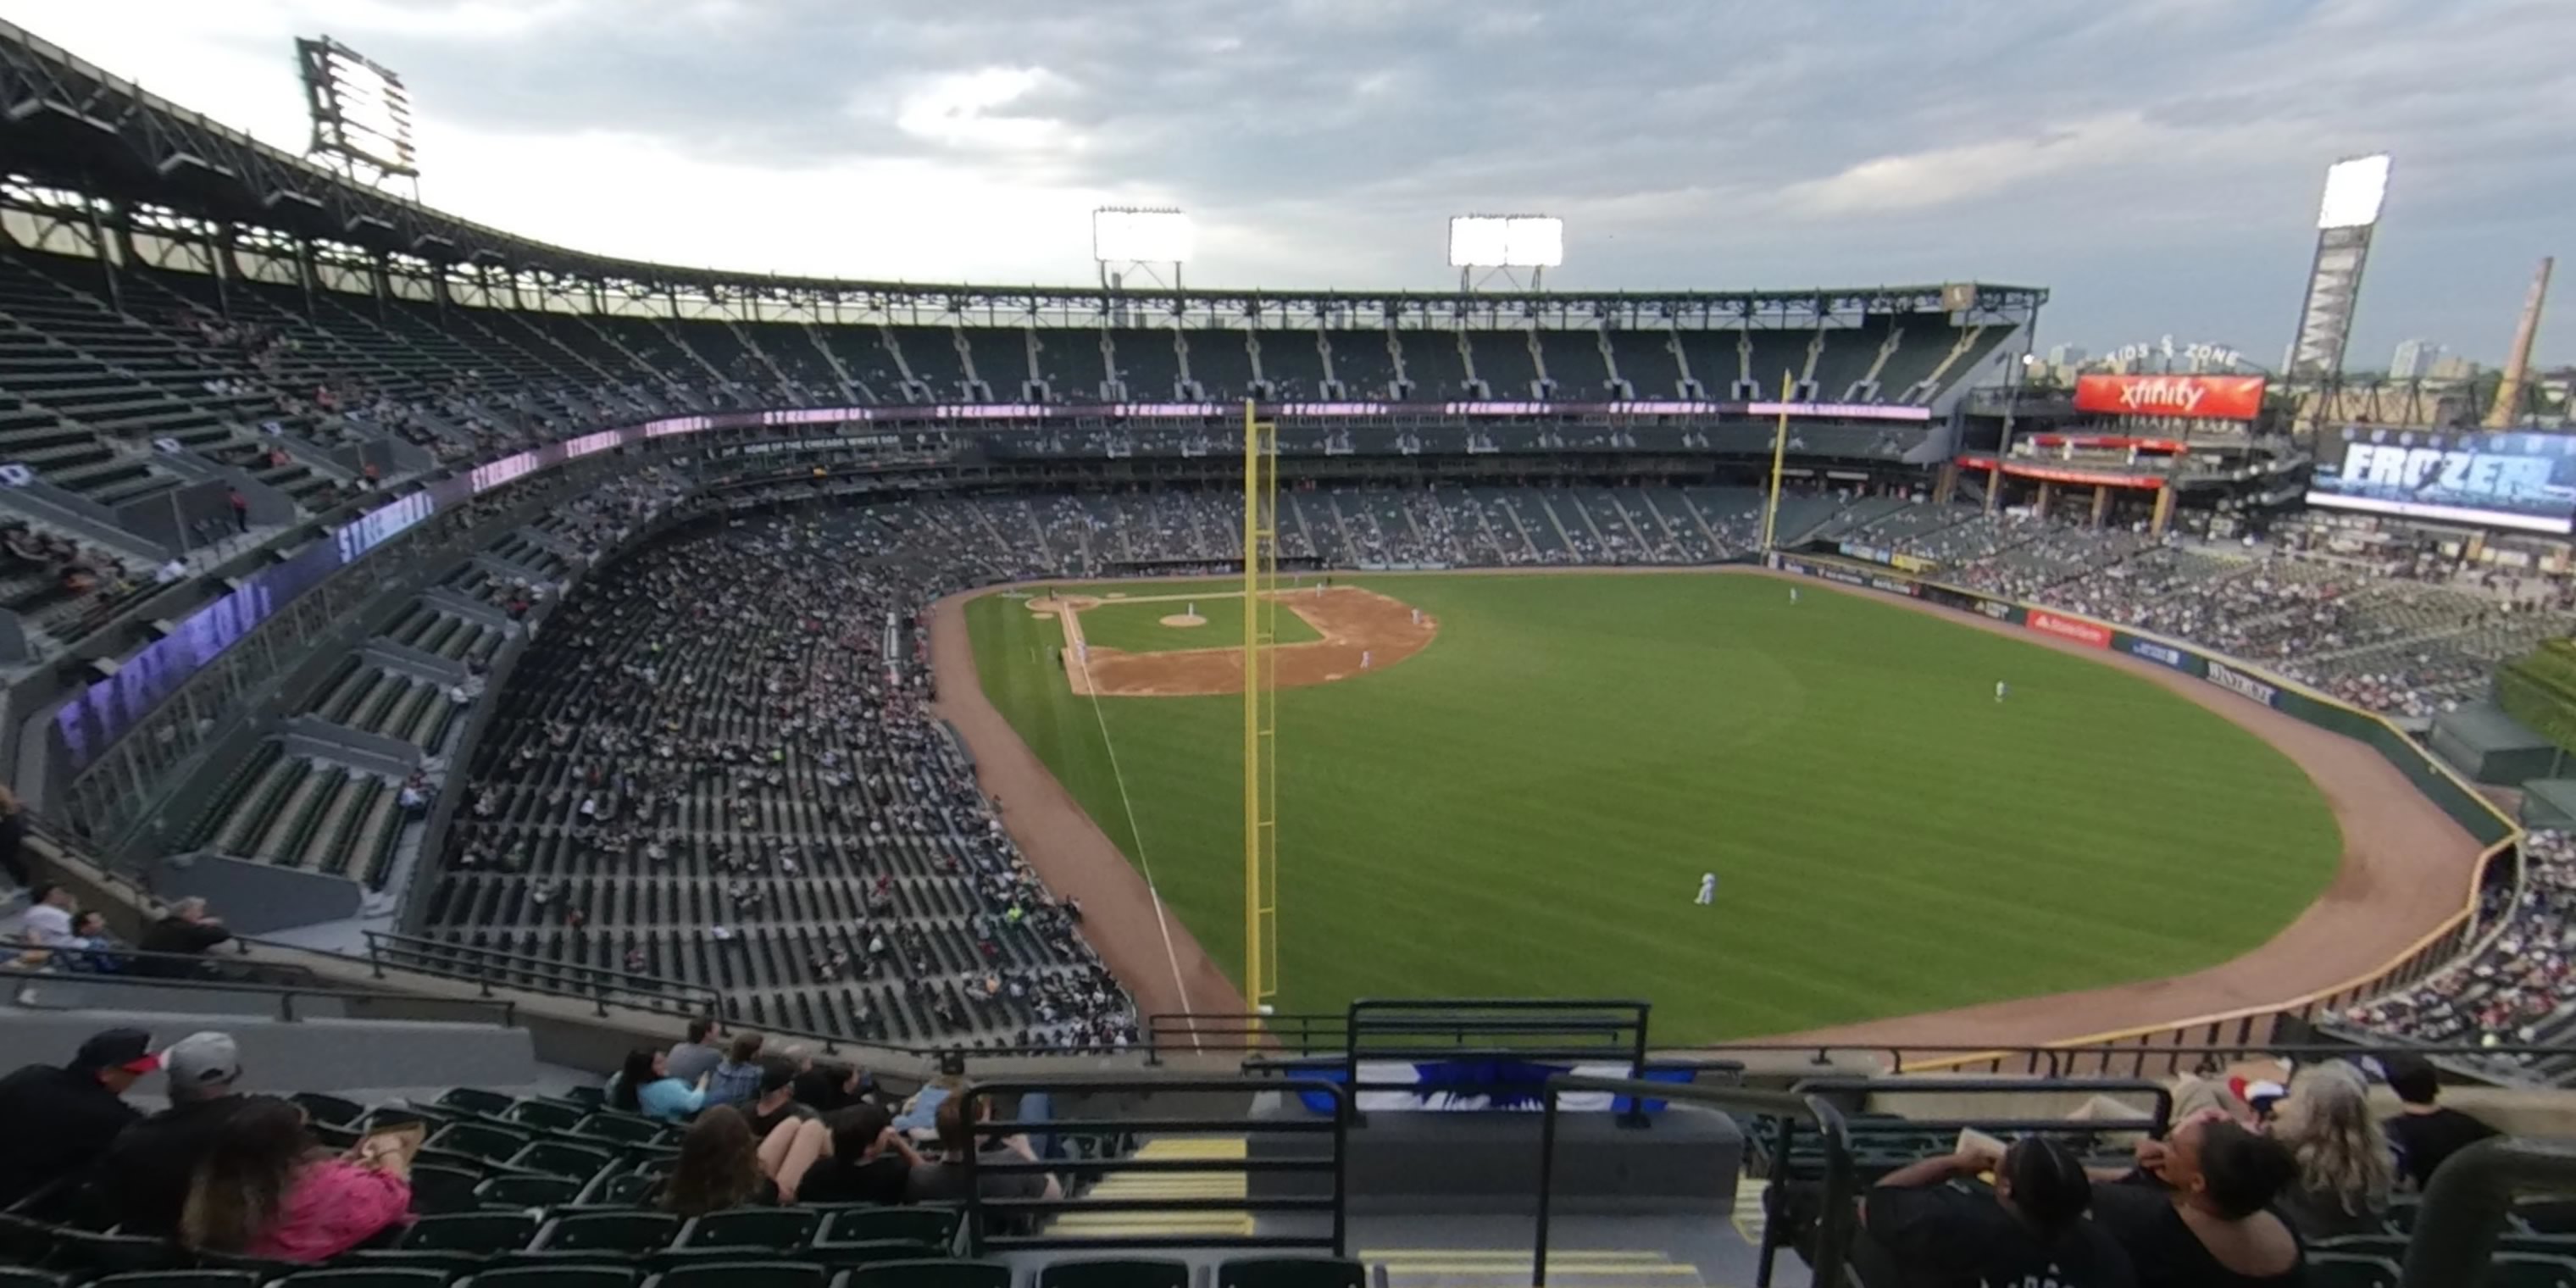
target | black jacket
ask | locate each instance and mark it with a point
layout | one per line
(143, 1182)
(54, 1122)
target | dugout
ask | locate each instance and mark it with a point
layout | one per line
(2488, 746)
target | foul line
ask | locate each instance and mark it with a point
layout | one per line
(1162, 921)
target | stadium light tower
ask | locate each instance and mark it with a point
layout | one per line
(2355, 187)
(1128, 241)
(1482, 247)
(361, 114)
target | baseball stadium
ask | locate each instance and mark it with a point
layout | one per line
(663, 778)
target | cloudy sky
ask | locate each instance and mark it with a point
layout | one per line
(2155, 162)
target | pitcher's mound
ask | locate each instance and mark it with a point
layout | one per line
(1184, 619)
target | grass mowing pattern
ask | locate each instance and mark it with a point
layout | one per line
(1525, 807)
(1138, 628)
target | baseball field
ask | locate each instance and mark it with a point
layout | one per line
(1517, 794)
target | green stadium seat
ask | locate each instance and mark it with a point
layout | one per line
(475, 1100)
(112, 1252)
(179, 1279)
(2390, 1246)
(2347, 1270)
(628, 1232)
(741, 1274)
(330, 1110)
(478, 1140)
(483, 1232)
(557, 1159)
(625, 1129)
(547, 1115)
(2529, 1270)
(845, 1256)
(590, 1096)
(368, 1277)
(756, 1227)
(438, 1190)
(527, 1191)
(555, 1277)
(621, 1189)
(938, 1273)
(935, 1226)
(449, 1264)
(1291, 1272)
(22, 1277)
(1115, 1272)
(2548, 1216)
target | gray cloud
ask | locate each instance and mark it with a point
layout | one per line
(2155, 162)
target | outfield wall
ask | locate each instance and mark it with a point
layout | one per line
(2456, 797)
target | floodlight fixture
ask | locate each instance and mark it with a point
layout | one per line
(360, 111)
(1505, 244)
(2354, 190)
(1129, 240)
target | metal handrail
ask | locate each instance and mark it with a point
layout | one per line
(1337, 1165)
(2465, 1206)
(478, 965)
(1556, 1017)
(1831, 1233)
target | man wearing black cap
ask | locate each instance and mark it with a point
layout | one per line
(57, 1121)
(143, 1181)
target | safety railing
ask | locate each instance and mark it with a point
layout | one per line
(201, 973)
(982, 1212)
(2132, 1058)
(2154, 1124)
(490, 968)
(1834, 1229)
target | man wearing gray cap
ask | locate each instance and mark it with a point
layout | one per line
(143, 1182)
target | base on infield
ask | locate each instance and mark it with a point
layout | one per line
(1361, 629)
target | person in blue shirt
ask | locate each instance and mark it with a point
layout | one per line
(645, 1086)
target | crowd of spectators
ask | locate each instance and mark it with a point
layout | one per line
(2518, 990)
(721, 710)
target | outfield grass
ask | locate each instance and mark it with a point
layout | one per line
(1526, 806)
(1138, 628)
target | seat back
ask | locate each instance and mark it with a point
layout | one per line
(934, 1226)
(2350, 1270)
(940, 1273)
(743, 1274)
(609, 1232)
(179, 1279)
(368, 1277)
(2529, 1270)
(436, 1190)
(554, 1277)
(484, 1232)
(519, 1191)
(1291, 1272)
(758, 1227)
(1116, 1272)
(476, 1100)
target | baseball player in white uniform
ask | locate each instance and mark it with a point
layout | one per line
(1707, 889)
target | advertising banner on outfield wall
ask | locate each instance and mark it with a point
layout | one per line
(2068, 628)
(2196, 397)
(2410, 758)
(2158, 652)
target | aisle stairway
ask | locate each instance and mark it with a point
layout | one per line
(1510, 1268)
(1219, 1151)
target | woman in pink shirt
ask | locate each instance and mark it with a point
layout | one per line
(266, 1190)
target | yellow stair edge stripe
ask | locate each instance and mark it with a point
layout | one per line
(1233, 1148)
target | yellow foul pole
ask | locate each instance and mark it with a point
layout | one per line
(1252, 981)
(1260, 710)
(1779, 454)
